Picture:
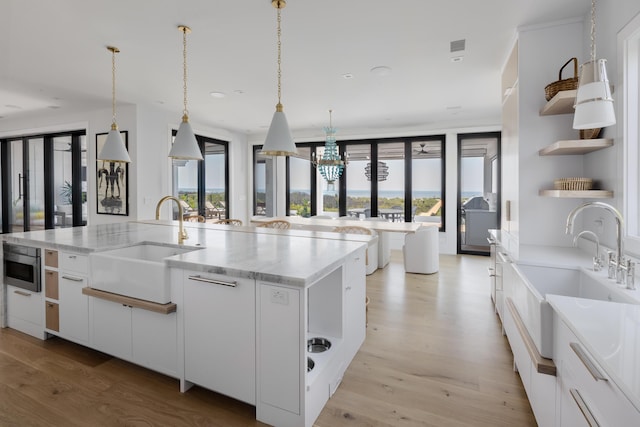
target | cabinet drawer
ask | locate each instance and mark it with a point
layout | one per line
(51, 258)
(603, 398)
(51, 284)
(24, 305)
(52, 316)
(74, 262)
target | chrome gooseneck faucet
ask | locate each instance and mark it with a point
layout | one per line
(597, 260)
(619, 268)
(182, 233)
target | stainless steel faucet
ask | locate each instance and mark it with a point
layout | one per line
(598, 262)
(182, 233)
(623, 270)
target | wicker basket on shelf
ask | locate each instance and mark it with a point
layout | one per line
(590, 133)
(573, 184)
(563, 84)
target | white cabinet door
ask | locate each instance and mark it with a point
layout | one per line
(154, 338)
(281, 348)
(354, 307)
(219, 334)
(111, 328)
(74, 308)
(25, 311)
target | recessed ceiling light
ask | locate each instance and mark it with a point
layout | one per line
(238, 91)
(347, 76)
(160, 102)
(217, 94)
(53, 107)
(12, 106)
(381, 71)
(457, 58)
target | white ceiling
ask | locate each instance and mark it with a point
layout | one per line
(53, 55)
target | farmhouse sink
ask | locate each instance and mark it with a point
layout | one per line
(536, 282)
(137, 271)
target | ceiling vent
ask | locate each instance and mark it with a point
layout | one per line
(458, 45)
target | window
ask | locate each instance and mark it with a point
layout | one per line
(44, 181)
(629, 57)
(203, 186)
(398, 179)
(300, 183)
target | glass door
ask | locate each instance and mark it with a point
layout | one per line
(478, 191)
(26, 186)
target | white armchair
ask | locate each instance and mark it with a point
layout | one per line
(421, 251)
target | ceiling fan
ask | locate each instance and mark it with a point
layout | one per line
(423, 149)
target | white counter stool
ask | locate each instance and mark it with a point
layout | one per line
(372, 248)
(421, 251)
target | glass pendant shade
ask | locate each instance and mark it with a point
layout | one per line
(113, 149)
(185, 145)
(594, 104)
(279, 141)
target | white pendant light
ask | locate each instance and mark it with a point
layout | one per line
(279, 141)
(113, 149)
(185, 145)
(594, 103)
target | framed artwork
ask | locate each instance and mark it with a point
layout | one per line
(112, 181)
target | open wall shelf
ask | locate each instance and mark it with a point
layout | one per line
(575, 146)
(562, 103)
(570, 194)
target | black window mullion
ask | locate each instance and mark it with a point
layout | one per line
(342, 200)
(201, 191)
(49, 196)
(374, 178)
(26, 203)
(76, 180)
(408, 176)
(314, 182)
(5, 170)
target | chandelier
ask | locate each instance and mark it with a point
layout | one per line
(331, 164)
(383, 171)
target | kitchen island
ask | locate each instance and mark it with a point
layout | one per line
(245, 305)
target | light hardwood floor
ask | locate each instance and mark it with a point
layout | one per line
(434, 356)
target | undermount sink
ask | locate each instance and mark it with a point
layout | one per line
(137, 271)
(529, 296)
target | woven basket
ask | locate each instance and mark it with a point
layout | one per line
(563, 84)
(590, 133)
(573, 184)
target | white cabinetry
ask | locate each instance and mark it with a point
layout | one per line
(354, 311)
(138, 335)
(537, 373)
(219, 334)
(67, 308)
(24, 311)
(586, 394)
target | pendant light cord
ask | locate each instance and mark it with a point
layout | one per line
(113, 85)
(184, 69)
(279, 57)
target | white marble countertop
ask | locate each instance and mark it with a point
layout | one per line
(297, 259)
(611, 333)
